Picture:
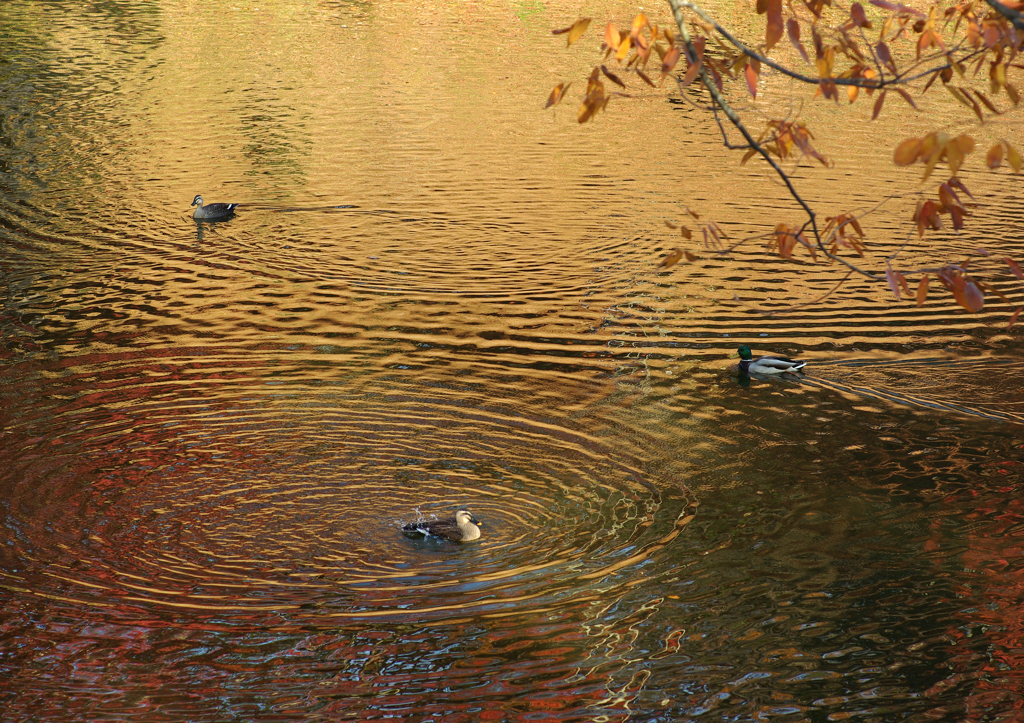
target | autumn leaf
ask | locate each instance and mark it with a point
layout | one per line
(670, 60)
(644, 78)
(1013, 158)
(858, 17)
(994, 157)
(574, 31)
(671, 259)
(894, 286)
(1013, 318)
(897, 8)
(883, 55)
(557, 94)
(611, 36)
(612, 77)
(908, 151)
(793, 30)
(878, 105)
(922, 290)
(1015, 268)
(751, 76)
(774, 29)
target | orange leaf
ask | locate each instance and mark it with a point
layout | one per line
(670, 59)
(690, 256)
(685, 232)
(751, 75)
(922, 290)
(611, 36)
(1015, 268)
(774, 30)
(994, 157)
(908, 151)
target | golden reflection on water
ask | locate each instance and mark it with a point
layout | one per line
(436, 295)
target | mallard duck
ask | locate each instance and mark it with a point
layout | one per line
(213, 211)
(461, 528)
(766, 364)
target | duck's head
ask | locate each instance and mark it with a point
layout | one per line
(744, 352)
(197, 201)
(464, 517)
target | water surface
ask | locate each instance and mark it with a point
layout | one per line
(434, 296)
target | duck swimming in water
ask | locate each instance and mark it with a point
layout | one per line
(461, 528)
(766, 364)
(212, 211)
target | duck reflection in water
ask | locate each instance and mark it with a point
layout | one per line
(463, 527)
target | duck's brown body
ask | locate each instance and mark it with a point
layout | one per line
(461, 528)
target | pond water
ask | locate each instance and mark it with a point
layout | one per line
(435, 295)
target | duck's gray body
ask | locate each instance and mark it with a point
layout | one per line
(461, 528)
(213, 211)
(767, 364)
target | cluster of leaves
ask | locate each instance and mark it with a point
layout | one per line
(914, 50)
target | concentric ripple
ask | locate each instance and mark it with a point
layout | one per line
(293, 507)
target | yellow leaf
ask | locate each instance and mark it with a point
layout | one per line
(908, 151)
(1013, 158)
(577, 30)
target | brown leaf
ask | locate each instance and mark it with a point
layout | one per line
(994, 157)
(670, 60)
(890, 276)
(612, 77)
(973, 298)
(1013, 318)
(644, 78)
(906, 97)
(671, 259)
(691, 73)
(774, 30)
(690, 256)
(557, 94)
(922, 290)
(878, 105)
(858, 17)
(907, 152)
(685, 232)
(1015, 268)
(671, 225)
(882, 51)
(897, 8)
(793, 30)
